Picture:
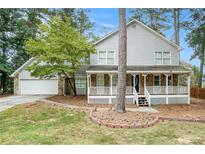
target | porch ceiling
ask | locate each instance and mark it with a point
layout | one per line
(137, 69)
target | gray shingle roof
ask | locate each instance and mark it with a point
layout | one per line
(136, 68)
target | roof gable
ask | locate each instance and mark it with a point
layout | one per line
(145, 27)
(22, 67)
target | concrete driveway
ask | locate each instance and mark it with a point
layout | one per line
(10, 101)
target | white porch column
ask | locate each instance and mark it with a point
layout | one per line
(188, 87)
(88, 87)
(167, 90)
(110, 99)
(145, 86)
(178, 85)
(134, 75)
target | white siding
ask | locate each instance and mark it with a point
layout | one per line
(27, 75)
(141, 47)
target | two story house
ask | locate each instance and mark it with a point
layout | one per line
(154, 74)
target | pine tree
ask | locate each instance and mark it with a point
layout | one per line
(11, 36)
(196, 38)
(155, 18)
(122, 62)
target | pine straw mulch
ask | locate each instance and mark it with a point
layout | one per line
(82, 102)
(195, 110)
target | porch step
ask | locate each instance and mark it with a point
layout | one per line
(142, 102)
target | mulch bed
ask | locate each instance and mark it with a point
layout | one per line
(82, 102)
(110, 118)
(195, 110)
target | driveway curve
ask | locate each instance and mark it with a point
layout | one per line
(10, 101)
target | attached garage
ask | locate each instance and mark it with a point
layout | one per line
(37, 86)
(25, 84)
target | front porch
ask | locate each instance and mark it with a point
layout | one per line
(156, 88)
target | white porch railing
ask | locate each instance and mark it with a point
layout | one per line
(171, 89)
(100, 91)
(106, 91)
(152, 90)
(129, 90)
(147, 96)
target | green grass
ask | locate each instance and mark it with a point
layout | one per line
(41, 124)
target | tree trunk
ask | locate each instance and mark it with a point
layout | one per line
(74, 87)
(4, 82)
(176, 14)
(66, 86)
(67, 81)
(122, 63)
(4, 74)
(201, 68)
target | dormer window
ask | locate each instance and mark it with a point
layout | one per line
(106, 57)
(162, 58)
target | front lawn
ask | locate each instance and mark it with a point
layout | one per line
(42, 124)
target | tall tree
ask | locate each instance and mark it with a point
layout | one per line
(196, 38)
(122, 62)
(195, 76)
(78, 18)
(11, 36)
(32, 18)
(61, 48)
(176, 16)
(155, 18)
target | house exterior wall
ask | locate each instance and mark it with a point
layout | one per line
(24, 74)
(141, 47)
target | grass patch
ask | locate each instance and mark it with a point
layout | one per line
(43, 124)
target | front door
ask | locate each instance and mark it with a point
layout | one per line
(136, 83)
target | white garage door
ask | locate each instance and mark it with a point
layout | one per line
(33, 87)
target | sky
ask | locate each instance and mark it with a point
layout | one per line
(109, 18)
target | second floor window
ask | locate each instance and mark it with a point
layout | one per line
(110, 57)
(106, 57)
(102, 57)
(162, 58)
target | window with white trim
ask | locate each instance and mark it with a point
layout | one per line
(106, 57)
(80, 83)
(158, 58)
(156, 80)
(102, 57)
(162, 58)
(166, 58)
(110, 57)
